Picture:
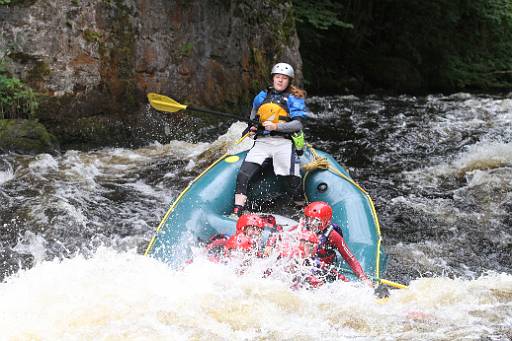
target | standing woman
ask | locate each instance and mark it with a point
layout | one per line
(279, 111)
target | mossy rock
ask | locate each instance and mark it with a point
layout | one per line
(86, 133)
(17, 2)
(99, 130)
(26, 136)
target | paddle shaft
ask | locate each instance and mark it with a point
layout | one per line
(219, 113)
(393, 284)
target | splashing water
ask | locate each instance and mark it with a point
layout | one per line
(6, 175)
(123, 295)
(440, 171)
(439, 168)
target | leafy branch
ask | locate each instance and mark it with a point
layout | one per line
(321, 15)
(16, 99)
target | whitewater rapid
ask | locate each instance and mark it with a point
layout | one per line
(75, 225)
(124, 295)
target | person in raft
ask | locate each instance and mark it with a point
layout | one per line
(248, 235)
(278, 113)
(247, 238)
(298, 248)
(318, 218)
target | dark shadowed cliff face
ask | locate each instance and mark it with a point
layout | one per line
(94, 61)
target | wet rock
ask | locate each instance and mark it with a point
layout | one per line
(26, 136)
(95, 61)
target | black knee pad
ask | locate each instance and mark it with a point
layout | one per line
(247, 171)
(294, 187)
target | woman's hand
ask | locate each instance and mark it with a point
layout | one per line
(251, 130)
(269, 125)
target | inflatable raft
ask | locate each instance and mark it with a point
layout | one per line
(202, 210)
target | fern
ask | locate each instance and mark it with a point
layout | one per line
(16, 99)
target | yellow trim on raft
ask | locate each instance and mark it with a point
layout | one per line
(164, 219)
(374, 215)
(377, 226)
(370, 201)
(393, 284)
(232, 159)
(332, 169)
(150, 245)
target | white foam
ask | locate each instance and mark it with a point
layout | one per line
(423, 257)
(143, 188)
(43, 164)
(190, 165)
(32, 244)
(128, 296)
(81, 167)
(460, 96)
(493, 179)
(485, 156)
(480, 163)
(232, 139)
(6, 176)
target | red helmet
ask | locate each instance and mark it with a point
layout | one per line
(318, 214)
(249, 220)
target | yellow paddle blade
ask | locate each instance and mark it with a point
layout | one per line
(164, 103)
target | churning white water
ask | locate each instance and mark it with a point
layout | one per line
(125, 296)
(73, 227)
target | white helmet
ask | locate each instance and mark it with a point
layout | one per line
(284, 69)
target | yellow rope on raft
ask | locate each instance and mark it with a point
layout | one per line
(317, 163)
(322, 163)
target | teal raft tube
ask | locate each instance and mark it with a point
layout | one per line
(202, 210)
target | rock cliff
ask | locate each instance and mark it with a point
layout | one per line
(93, 61)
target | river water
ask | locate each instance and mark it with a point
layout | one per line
(74, 227)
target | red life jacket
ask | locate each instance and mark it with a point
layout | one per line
(326, 251)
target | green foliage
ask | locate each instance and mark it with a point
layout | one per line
(456, 45)
(186, 49)
(261, 66)
(92, 36)
(320, 14)
(408, 46)
(10, 2)
(39, 72)
(16, 99)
